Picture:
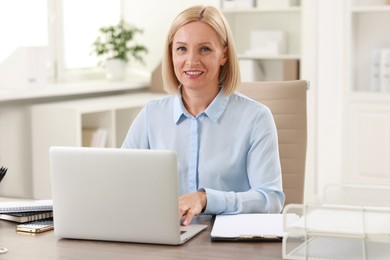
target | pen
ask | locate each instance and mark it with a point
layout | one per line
(260, 237)
(3, 171)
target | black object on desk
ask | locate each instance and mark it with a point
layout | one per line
(3, 171)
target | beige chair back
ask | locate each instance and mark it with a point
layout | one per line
(287, 101)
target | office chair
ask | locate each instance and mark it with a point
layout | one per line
(287, 102)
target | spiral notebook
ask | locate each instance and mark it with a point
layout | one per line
(23, 217)
(25, 206)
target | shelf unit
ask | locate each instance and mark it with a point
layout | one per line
(62, 124)
(367, 108)
(245, 20)
(367, 27)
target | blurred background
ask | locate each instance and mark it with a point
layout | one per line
(342, 47)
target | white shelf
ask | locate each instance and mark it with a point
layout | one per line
(244, 21)
(62, 123)
(369, 9)
(367, 32)
(269, 57)
(261, 10)
(370, 97)
(71, 89)
(366, 123)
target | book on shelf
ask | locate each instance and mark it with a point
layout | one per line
(237, 4)
(269, 4)
(25, 205)
(375, 70)
(380, 70)
(385, 70)
(94, 137)
(23, 217)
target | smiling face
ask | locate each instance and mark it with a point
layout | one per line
(197, 55)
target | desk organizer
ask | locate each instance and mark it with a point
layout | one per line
(349, 224)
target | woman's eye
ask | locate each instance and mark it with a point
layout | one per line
(205, 49)
(180, 49)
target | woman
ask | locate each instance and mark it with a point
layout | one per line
(226, 143)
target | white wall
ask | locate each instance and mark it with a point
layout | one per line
(330, 67)
(155, 17)
(309, 59)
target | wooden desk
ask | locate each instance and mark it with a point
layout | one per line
(48, 246)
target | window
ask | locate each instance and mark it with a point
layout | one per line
(22, 23)
(67, 27)
(78, 26)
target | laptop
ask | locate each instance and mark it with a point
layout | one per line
(117, 194)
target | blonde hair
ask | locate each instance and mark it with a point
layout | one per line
(229, 74)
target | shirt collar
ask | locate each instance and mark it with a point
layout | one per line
(213, 111)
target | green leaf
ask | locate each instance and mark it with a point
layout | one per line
(118, 41)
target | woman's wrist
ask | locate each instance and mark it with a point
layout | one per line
(203, 198)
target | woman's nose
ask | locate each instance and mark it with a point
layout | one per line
(192, 58)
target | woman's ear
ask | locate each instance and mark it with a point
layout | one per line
(225, 56)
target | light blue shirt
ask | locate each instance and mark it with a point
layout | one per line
(230, 151)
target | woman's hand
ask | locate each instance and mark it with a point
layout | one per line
(190, 205)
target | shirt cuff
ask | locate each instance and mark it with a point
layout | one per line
(220, 202)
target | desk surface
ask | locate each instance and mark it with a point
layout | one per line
(48, 246)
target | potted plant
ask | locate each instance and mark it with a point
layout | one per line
(116, 45)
